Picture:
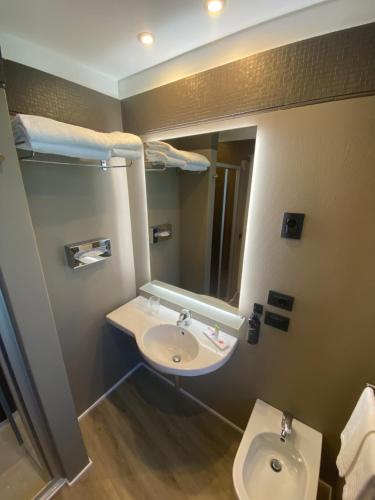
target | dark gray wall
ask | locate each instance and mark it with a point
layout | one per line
(22, 282)
(333, 66)
(70, 204)
(316, 159)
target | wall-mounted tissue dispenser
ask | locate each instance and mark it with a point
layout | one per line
(88, 252)
(160, 233)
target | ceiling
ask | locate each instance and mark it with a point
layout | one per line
(100, 37)
(103, 34)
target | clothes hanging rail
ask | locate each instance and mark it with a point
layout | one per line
(42, 158)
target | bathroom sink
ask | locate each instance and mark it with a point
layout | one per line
(182, 351)
(168, 343)
(169, 348)
(265, 467)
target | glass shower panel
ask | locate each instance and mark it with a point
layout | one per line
(23, 471)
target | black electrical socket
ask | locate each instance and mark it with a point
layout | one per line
(277, 321)
(292, 225)
(280, 300)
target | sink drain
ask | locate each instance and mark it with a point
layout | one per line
(176, 358)
(276, 465)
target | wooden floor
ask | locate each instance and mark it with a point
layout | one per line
(147, 441)
(21, 477)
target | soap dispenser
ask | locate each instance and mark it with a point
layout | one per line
(254, 324)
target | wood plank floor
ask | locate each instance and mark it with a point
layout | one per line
(147, 441)
(21, 476)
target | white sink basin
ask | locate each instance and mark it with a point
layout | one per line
(265, 467)
(168, 343)
(261, 481)
(183, 351)
(166, 347)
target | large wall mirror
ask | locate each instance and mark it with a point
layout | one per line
(197, 210)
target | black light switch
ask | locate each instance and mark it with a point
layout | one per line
(292, 225)
(281, 300)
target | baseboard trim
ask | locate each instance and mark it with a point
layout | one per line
(196, 400)
(214, 412)
(50, 490)
(165, 379)
(80, 474)
(103, 396)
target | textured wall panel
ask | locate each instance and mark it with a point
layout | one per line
(324, 68)
(34, 92)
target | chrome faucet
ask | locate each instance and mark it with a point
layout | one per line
(185, 318)
(286, 426)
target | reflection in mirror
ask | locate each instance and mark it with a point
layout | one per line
(197, 210)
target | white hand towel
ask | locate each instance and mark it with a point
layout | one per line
(193, 158)
(160, 157)
(159, 146)
(360, 482)
(194, 167)
(197, 161)
(360, 424)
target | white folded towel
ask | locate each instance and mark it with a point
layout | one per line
(159, 146)
(360, 424)
(124, 140)
(192, 158)
(360, 482)
(160, 157)
(129, 154)
(194, 161)
(126, 145)
(68, 150)
(194, 167)
(44, 135)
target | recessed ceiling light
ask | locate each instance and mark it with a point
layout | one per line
(214, 6)
(146, 38)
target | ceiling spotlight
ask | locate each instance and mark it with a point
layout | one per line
(214, 6)
(146, 38)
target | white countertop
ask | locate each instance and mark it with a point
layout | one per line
(135, 319)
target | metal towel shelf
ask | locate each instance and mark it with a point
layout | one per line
(104, 165)
(162, 166)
